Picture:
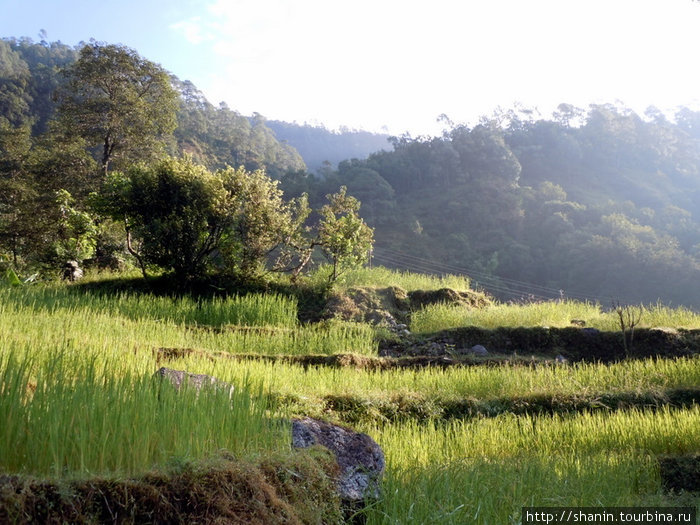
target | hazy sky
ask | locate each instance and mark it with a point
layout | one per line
(397, 64)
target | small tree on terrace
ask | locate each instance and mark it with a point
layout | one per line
(262, 222)
(342, 234)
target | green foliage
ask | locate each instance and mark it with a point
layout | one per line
(191, 221)
(530, 461)
(14, 76)
(178, 211)
(71, 411)
(117, 101)
(18, 193)
(343, 236)
(219, 136)
(10, 277)
(380, 276)
(69, 417)
(438, 317)
(262, 220)
(77, 230)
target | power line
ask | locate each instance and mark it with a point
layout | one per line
(477, 273)
(501, 285)
(490, 287)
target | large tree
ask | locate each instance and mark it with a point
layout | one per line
(121, 103)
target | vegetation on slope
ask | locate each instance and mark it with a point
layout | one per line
(464, 443)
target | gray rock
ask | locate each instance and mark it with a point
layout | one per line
(72, 271)
(360, 459)
(197, 381)
(479, 350)
(404, 332)
(590, 332)
(401, 327)
(560, 359)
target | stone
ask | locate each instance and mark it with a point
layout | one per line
(479, 350)
(72, 271)
(560, 359)
(590, 332)
(360, 458)
(197, 381)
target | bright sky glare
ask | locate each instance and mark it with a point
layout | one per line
(396, 65)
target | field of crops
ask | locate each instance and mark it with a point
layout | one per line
(78, 400)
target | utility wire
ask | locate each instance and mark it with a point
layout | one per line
(516, 289)
(504, 286)
(491, 288)
(478, 274)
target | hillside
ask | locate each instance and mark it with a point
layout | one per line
(604, 210)
(511, 406)
(597, 204)
(318, 145)
(31, 74)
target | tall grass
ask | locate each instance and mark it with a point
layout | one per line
(438, 317)
(664, 431)
(485, 471)
(581, 379)
(77, 398)
(248, 310)
(107, 330)
(380, 276)
(76, 418)
(489, 491)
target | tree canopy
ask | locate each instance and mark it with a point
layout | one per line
(118, 102)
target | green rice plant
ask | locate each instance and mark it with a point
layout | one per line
(472, 383)
(438, 317)
(104, 328)
(484, 471)
(379, 276)
(77, 419)
(248, 310)
(130, 344)
(664, 431)
(486, 491)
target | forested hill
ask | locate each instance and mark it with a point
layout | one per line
(30, 74)
(318, 145)
(601, 204)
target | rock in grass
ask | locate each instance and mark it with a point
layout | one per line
(360, 458)
(197, 381)
(72, 271)
(479, 350)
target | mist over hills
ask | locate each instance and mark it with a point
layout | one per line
(604, 210)
(599, 202)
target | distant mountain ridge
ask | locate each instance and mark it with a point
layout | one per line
(318, 145)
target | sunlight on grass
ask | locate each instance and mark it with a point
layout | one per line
(553, 314)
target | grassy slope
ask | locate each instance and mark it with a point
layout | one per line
(442, 470)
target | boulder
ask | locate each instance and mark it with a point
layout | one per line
(197, 381)
(479, 350)
(590, 332)
(72, 271)
(360, 458)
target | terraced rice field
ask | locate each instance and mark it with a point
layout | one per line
(465, 444)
